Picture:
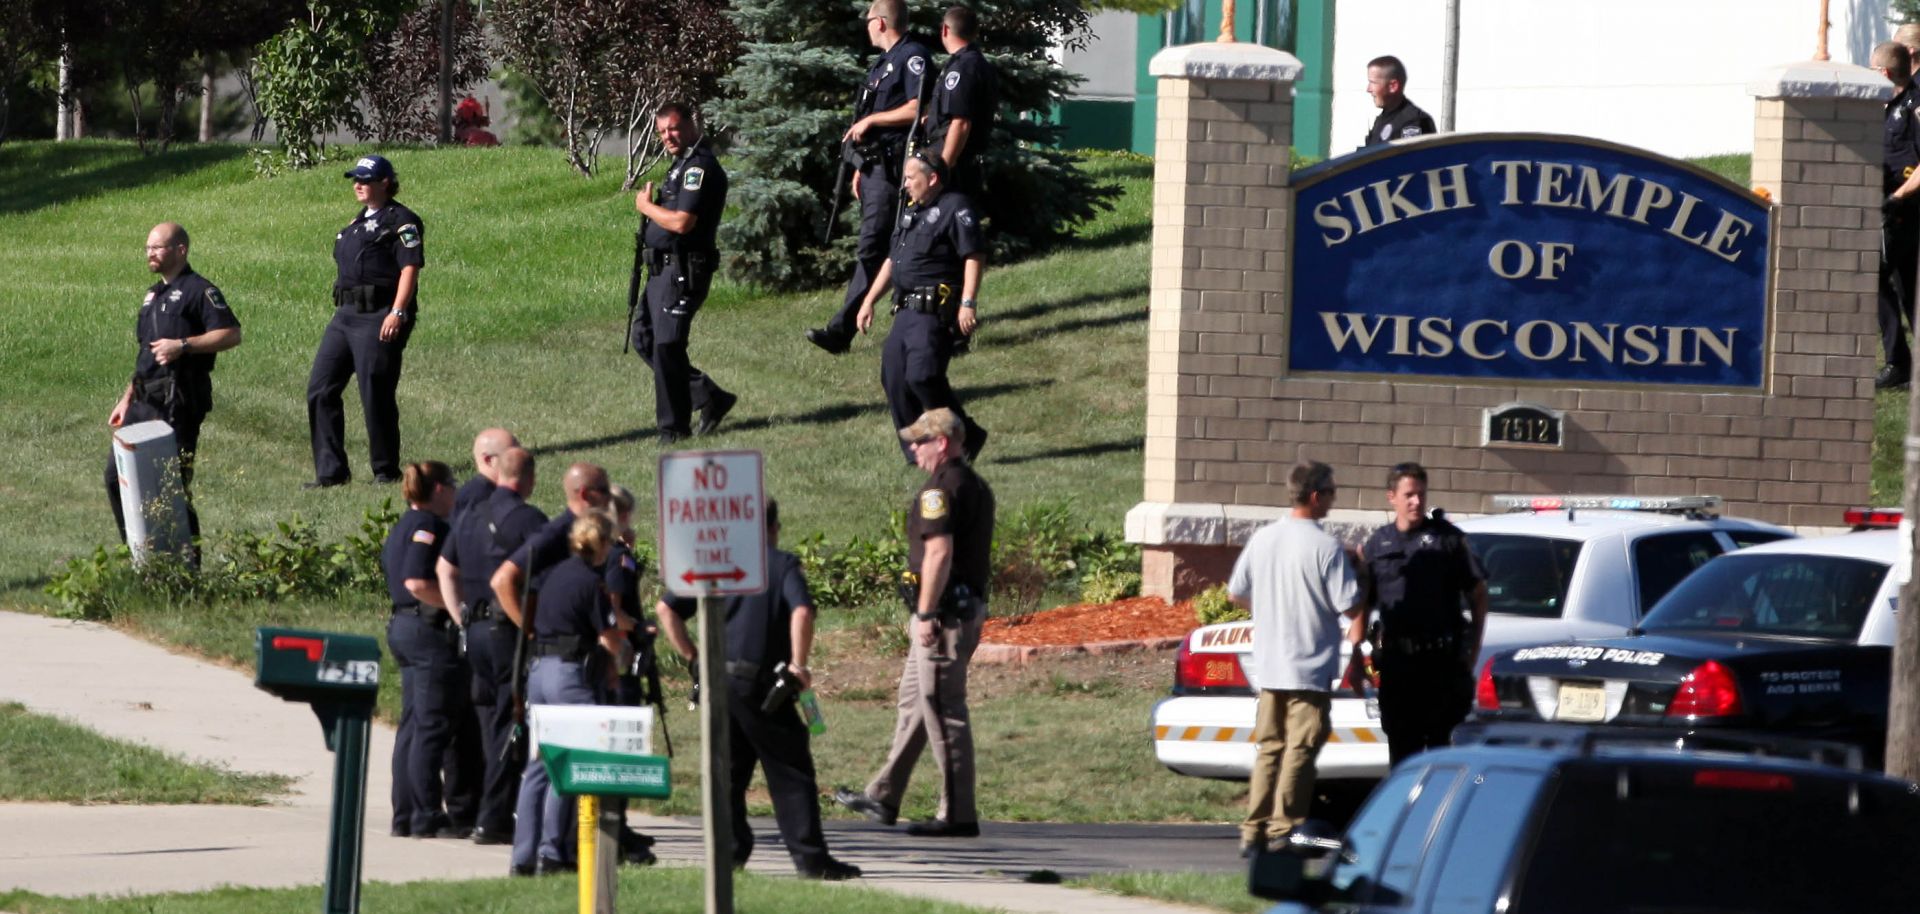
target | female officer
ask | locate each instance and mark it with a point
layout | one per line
(424, 643)
(571, 626)
(379, 256)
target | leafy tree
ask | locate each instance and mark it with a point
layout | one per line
(308, 76)
(401, 82)
(603, 66)
(792, 94)
(29, 37)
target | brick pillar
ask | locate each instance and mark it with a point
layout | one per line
(1816, 152)
(1221, 197)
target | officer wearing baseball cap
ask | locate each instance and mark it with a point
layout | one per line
(378, 256)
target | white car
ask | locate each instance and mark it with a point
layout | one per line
(1558, 568)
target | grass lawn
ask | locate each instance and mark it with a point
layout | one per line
(1215, 891)
(45, 760)
(658, 890)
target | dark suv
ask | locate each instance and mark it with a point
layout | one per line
(1552, 819)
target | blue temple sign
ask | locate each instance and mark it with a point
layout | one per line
(1530, 258)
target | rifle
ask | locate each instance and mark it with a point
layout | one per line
(636, 282)
(646, 665)
(850, 161)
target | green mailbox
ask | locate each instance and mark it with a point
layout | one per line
(339, 675)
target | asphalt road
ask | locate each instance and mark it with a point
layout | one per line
(1018, 849)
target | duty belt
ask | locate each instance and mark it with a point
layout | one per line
(743, 669)
(696, 261)
(429, 614)
(569, 648)
(479, 611)
(928, 299)
(363, 298)
(1437, 644)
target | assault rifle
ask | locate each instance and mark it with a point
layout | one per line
(636, 282)
(851, 159)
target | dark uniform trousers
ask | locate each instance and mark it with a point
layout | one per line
(352, 346)
(490, 651)
(879, 197)
(186, 420)
(660, 339)
(433, 699)
(777, 742)
(913, 370)
(1423, 696)
(1899, 251)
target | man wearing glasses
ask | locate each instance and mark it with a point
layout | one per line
(949, 533)
(183, 321)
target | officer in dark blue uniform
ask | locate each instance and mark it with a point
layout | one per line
(183, 321)
(425, 644)
(766, 629)
(681, 228)
(964, 102)
(573, 640)
(1900, 215)
(628, 686)
(487, 448)
(1398, 118)
(890, 101)
(482, 538)
(1431, 594)
(934, 273)
(378, 256)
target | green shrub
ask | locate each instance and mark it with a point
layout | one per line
(1212, 605)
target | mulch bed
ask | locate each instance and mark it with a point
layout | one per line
(1133, 619)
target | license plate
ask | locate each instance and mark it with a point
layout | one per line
(1582, 703)
(1373, 709)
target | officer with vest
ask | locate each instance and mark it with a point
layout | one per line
(378, 257)
(890, 102)
(934, 274)
(183, 321)
(481, 539)
(1900, 214)
(961, 122)
(681, 229)
(1398, 118)
(949, 564)
(487, 448)
(1431, 594)
(769, 636)
(425, 643)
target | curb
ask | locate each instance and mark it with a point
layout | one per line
(1028, 653)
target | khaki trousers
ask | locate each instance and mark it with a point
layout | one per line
(1290, 726)
(933, 715)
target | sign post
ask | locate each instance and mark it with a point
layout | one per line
(593, 752)
(713, 543)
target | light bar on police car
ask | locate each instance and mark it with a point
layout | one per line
(1607, 502)
(1862, 518)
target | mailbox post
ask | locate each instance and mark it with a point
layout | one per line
(339, 675)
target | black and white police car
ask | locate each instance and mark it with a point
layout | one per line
(1558, 567)
(1793, 637)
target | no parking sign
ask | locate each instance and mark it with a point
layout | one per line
(712, 523)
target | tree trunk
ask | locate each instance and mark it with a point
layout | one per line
(446, 71)
(63, 117)
(1903, 705)
(79, 118)
(206, 100)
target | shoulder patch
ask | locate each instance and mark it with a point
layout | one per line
(410, 235)
(966, 217)
(933, 504)
(691, 180)
(916, 65)
(627, 562)
(423, 536)
(952, 80)
(214, 298)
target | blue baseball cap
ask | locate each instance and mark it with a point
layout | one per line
(371, 168)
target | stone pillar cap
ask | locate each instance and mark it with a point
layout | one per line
(1819, 79)
(1228, 61)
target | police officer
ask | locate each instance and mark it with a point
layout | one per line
(378, 256)
(487, 448)
(765, 630)
(681, 228)
(935, 270)
(949, 537)
(890, 101)
(482, 537)
(1431, 594)
(1900, 214)
(964, 102)
(573, 640)
(183, 321)
(425, 643)
(624, 570)
(587, 490)
(1387, 84)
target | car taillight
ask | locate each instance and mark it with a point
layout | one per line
(1742, 780)
(1207, 670)
(1708, 691)
(1484, 694)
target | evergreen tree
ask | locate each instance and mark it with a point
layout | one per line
(792, 94)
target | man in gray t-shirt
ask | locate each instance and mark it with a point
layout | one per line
(1298, 582)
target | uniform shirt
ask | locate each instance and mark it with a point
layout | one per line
(695, 184)
(968, 88)
(1298, 581)
(574, 602)
(1902, 142)
(373, 248)
(894, 80)
(760, 626)
(1402, 120)
(1422, 579)
(955, 501)
(623, 578)
(545, 548)
(187, 306)
(472, 492)
(934, 242)
(485, 535)
(410, 551)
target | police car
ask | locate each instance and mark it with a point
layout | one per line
(1791, 637)
(1558, 567)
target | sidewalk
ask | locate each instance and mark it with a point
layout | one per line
(132, 690)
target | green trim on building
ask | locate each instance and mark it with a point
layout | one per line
(1307, 33)
(1096, 123)
(1313, 97)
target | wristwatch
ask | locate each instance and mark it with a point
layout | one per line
(186, 346)
(967, 303)
(926, 617)
(400, 313)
